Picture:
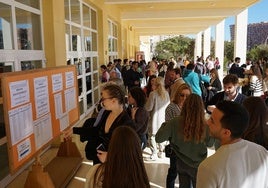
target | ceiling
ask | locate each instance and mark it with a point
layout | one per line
(155, 17)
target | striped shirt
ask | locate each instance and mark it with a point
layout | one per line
(256, 86)
(172, 111)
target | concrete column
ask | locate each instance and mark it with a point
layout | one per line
(207, 42)
(240, 43)
(198, 45)
(219, 45)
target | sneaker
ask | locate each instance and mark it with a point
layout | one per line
(153, 157)
(160, 155)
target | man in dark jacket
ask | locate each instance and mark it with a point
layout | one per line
(235, 69)
(133, 77)
(230, 93)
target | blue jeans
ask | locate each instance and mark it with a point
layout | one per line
(143, 138)
(187, 174)
(172, 171)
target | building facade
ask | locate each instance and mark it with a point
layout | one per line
(257, 34)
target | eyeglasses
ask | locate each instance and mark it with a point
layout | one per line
(103, 99)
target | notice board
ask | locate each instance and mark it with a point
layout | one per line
(38, 106)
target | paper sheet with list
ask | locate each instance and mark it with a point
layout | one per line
(69, 77)
(42, 130)
(19, 93)
(58, 105)
(70, 99)
(21, 123)
(41, 96)
(57, 84)
(64, 121)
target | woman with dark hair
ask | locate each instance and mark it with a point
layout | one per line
(257, 130)
(136, 101)
(149, 87)
(255, 81)
(189, 137)
(105, 76)
(123, 167)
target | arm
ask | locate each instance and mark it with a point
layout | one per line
(141, 119)
(205, 78)
(150, 102)
(164, 132)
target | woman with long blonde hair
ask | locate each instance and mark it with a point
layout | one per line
(189, 139)
(156, 104)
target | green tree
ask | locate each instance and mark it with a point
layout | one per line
(176, 46)
(258, 53)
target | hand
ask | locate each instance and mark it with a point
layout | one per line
(133, 112)
(209, 87)
(102, 155)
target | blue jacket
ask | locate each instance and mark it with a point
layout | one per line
(192, 79)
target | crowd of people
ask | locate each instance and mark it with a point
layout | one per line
(171, 109)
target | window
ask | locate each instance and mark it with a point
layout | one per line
(6, 37)
(81, 37)
(112, 40)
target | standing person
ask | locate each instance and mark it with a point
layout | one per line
(133, 77)
(193, 79)
(265, 86)
(150, 85)
(136, 101)
(257, 130)
(105, 76)
(255, 81)
(230, 85)
(114, 115)
(214, 84)
(156, 104)
(236, 69)
(173, 110)
(189, 139)
(238, 162)
(217, 64)
(177, 81)
(123, 167)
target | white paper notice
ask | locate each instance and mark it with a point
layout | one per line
(42, 130)
(57, 82)
(70, 99)
(69, 77)
(64, 121)
(21, 123)
(58, 105)
(41, 96)
(19, 92)
(24, 148)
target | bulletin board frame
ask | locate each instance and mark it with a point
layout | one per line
(38, 106)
